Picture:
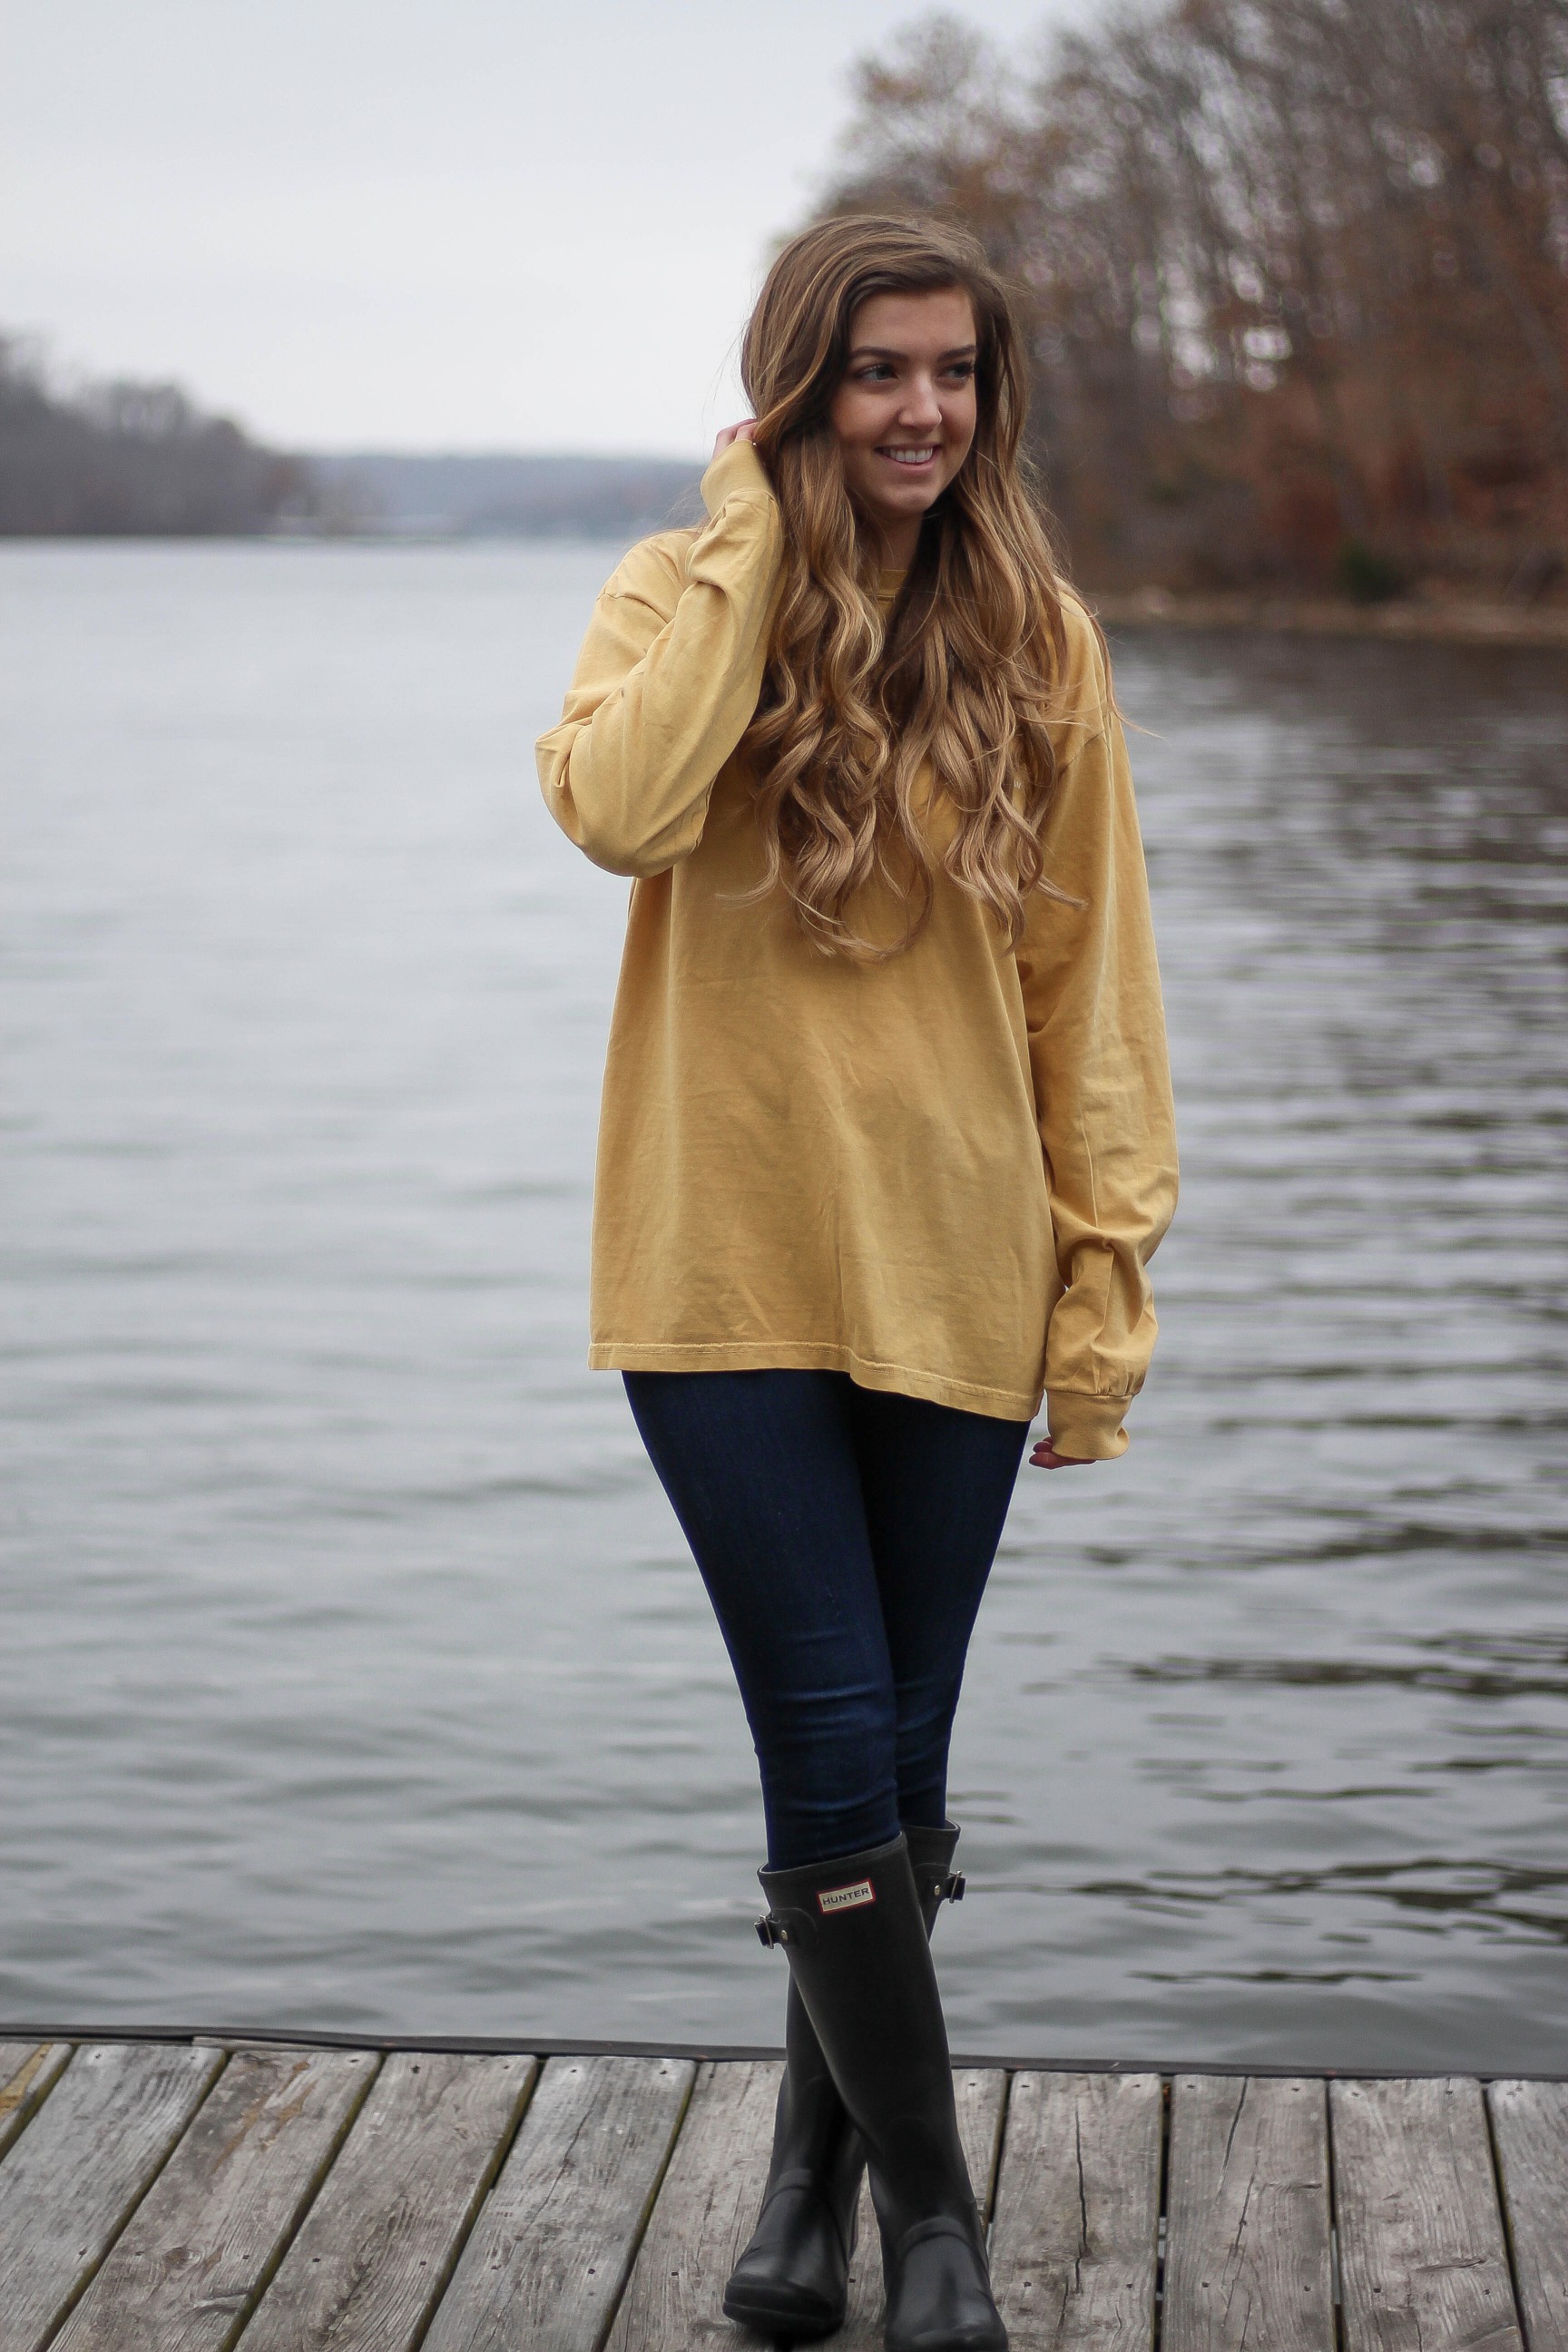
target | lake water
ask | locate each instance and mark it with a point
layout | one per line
(356, 1677)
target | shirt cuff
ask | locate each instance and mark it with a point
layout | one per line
(736, 472)
(1088, 1427)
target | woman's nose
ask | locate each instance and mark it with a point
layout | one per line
(922, 407)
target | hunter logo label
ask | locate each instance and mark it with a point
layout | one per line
(848, 1898)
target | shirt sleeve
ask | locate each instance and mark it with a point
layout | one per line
(1102, 1091)
(661, 697)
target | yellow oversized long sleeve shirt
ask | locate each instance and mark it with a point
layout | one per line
(943, 1174)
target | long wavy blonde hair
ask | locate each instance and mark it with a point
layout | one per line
(853, 705)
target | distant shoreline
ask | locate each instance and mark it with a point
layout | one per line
(1434, 620)
(1448, 622)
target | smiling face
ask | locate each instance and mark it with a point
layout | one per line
(905, 413)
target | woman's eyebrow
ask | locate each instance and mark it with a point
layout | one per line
(886, 351)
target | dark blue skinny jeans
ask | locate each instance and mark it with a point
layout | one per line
(845, 1537)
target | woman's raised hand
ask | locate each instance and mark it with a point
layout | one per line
(746, 432)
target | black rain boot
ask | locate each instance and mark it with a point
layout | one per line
(793, 2278)
(855, 1939)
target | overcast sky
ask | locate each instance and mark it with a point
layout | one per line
(417, 223)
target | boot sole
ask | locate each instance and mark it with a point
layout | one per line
(784, 2318)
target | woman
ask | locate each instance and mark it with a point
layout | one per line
(885, 1143)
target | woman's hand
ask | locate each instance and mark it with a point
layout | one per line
(1046, 1457)
(746, 432)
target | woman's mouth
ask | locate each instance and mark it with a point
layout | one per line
(920, 454)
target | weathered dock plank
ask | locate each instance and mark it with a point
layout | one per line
(214, 2197)
(981, 2096)
(1530, 2126)
(703, 2215)
(80, 2170)
(1247, 2264)
(548, 2254)
(378, 2244)
(28, 2071)
(197, 2252)
(1421, 2260)
(1076, 2232)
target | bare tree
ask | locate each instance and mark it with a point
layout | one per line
(1299, 271)
(122, 460)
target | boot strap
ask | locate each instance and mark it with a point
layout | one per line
(940, 1888)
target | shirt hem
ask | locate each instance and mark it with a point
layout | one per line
(814, 1356)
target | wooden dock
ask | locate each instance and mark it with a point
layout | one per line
(185, 2195)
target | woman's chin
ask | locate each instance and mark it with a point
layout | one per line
(905, 504)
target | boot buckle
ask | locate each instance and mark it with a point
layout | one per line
(955, 1886)
(771, 1931)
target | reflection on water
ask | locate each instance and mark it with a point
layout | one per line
(356, 1676)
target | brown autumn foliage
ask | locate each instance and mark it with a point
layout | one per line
(1299, 271)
